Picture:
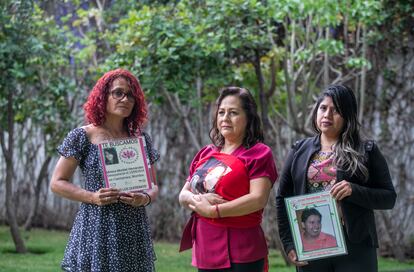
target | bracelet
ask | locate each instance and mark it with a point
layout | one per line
(149, 198)
(217, 211)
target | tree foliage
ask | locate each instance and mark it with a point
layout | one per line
(33, 88)
(284, 51)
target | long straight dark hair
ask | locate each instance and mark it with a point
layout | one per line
(349, 151)
(254, 132)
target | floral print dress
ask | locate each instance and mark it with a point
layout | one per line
(115, 237)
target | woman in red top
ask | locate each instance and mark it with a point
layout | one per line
(227, 189)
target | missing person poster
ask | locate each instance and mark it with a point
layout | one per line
(316, 226)
(125, 165)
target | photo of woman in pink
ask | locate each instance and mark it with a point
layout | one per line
(312, 236)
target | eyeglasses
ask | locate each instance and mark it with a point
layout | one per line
(119, 95)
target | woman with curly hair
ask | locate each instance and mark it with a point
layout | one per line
(111, 230)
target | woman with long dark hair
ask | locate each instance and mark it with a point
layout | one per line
(355, 172)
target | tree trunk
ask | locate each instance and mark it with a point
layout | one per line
(199, 87)
(363, 76)
(8, 154)
(396, 249)
(326, 62)
(262, 95)
(179, 109)
(42, 175)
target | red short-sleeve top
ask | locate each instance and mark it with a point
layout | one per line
(218, 242)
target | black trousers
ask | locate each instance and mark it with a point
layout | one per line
(256, 266)
(360, 258)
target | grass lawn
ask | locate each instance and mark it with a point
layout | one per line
(46, 250)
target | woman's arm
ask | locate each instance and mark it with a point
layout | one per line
(254, 201)
(293, 258)
(61, 185)
(138, 199)
(153, 192)
(378, 193)
(186, 197)
(145, 198)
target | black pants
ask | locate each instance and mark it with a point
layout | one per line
(256, 266)
(360, 258)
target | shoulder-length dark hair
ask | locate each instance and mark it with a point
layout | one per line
(254, 132)
(349, 151)
(95, 106)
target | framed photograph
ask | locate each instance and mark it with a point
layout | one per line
(125, 164)
(316, 226)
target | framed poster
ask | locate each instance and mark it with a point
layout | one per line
(125, 164)
(316, 226)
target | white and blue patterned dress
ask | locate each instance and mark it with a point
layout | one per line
(115, 237)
